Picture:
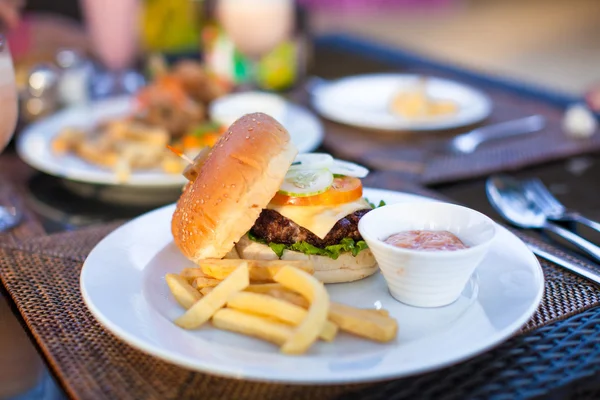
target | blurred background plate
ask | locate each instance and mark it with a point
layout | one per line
(365, 100)
(34, 147)
(304, 127)
(34, 144)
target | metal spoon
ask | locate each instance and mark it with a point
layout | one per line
(509, 198)
(553, 208)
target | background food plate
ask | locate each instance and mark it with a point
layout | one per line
(364, 101)
(33, 144)
(123, 285)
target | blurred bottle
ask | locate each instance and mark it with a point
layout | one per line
(258, 42)
(170, 26)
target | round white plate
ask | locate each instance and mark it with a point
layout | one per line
(33, 144)
(364, 101)
(123, 285)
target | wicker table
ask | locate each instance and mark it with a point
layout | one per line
(562, 358)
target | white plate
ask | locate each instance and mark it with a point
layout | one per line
(33, 144)
(123, 285)
(364, 101)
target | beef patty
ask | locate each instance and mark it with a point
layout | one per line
(274, 227)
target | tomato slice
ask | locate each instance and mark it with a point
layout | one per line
(343, 190)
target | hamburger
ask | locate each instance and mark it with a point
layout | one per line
(252, 196)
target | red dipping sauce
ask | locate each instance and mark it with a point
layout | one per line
(426, 240)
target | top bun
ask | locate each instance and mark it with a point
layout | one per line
(241, 175)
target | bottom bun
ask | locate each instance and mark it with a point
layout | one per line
(346, 268)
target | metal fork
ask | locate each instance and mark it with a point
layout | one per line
(551, 207)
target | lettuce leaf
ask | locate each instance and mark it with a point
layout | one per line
(373, 206)
(204, 128)
(333, 251)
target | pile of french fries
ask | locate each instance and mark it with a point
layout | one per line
(277, 301)
(121, 145)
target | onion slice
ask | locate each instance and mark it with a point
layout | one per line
(348, 168)
(306, 182)
(312, 161)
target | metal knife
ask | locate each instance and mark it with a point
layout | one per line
(582, 270)
(468, 142)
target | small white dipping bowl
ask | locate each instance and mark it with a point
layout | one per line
(427, 278)
(229, 108)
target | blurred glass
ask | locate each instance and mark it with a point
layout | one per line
(8, 95)
(255, 42)
(20, 366)
(113, 29)
(256, 26)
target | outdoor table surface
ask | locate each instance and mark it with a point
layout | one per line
(574, 180)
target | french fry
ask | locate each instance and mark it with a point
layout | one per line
(312, 325)
(260, 270)
(263, 287)
(192, 273)
(294, 298)
(289, 296)
(378, 325)
(380, 311)
(88, 150)
(202, 282)
(67, 140)
(268, 306)
(206, 290)
(365, 323)
(252, 325)
(185, 295)
(204, 308)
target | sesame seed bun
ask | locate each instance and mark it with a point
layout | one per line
(241, 175)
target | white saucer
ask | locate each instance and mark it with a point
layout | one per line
(364, 100)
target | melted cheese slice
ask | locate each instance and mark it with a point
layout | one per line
(319, 219)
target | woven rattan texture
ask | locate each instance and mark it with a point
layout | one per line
(419, 155)
(42, 277)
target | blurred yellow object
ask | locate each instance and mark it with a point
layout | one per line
(169, 25)
(415, 103)
(279, 69)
